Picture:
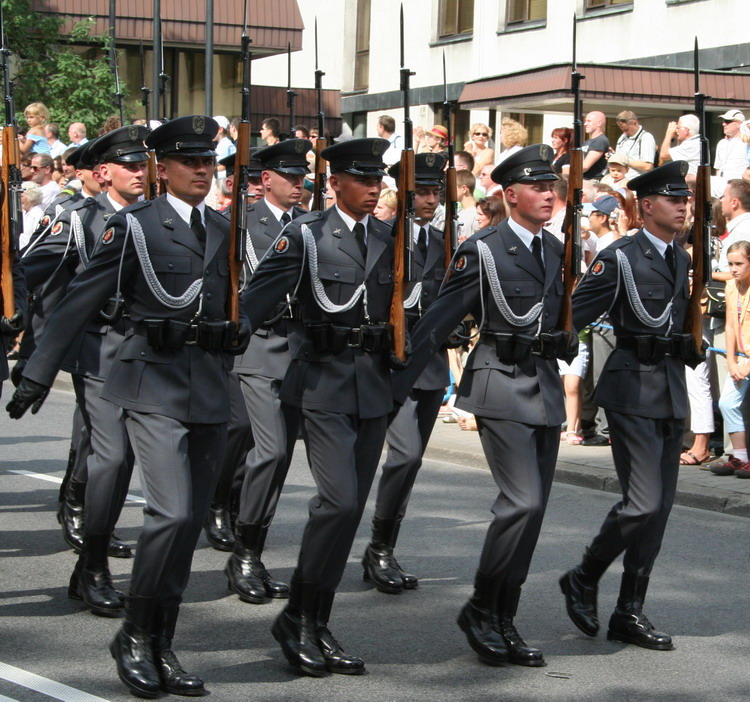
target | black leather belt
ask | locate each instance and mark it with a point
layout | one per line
(160, 334)
(334, 338)
(514, 347)
(651, 349)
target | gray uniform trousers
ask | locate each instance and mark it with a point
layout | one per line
(405, 450)
(179, 462)
(80, 442)
(646, 453)
(109, 460)
(343, 452)
(522, 459)
(274, 428)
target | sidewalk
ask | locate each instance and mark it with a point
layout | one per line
(592, 467)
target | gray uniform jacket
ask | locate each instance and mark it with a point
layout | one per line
(626, 385)
(529, 392)
(351, 382)
(271, 347)
(189, 384)
(20, 303)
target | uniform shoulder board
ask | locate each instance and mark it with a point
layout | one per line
(137, 206)
(308, 217)
(482, 233)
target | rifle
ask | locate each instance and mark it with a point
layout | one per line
(319, 190)
(403, 224)
(11, 225)
(119, 95)
(145, 92)
(701, 220)
(450, 238)
(290, 94)
(238, 220)
(163, 77)
(572, 223)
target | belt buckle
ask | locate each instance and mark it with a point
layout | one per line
(356, 332)
(192, 339)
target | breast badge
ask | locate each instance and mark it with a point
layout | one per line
(109, 236)
(597, 268)
(460, 264)
(281, 246)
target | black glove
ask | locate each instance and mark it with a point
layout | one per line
(13, 326)
(241, 341)
(459, 336)
(28, 394)
(394, 362)
(16, 375)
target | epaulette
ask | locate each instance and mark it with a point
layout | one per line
(81, 204)
(622, 241)
(136, 206)
(308, 217)
(482, 233)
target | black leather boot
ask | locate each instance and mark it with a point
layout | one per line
(380, 567)
(580, 587)
(218, 528)
(132, 650)
(118, 548)
(294, 629)
(518, 652)
(91, 580)
(246, 574)
(411, 582)
(70, 514)
(172, 675)
(479, 622)
(336, 660)
(628, 623)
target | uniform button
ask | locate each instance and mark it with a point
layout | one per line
(170, 266)
(143, 353)
(546, 314)
(486, 363)
(209, 296)
(336, 275)
(208, 271)
(649, 293)
(518, 290)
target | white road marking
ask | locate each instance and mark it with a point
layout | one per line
(46, 686)
(58, 481)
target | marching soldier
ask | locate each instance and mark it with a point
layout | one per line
(261, 370)
(510, 278)
(642, 282)
(340, 265)
(409, 431)
(168, 258)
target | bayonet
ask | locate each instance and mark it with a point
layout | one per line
(290, 94)
(319, 190)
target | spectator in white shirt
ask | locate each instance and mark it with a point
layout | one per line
(687, 132)
(635, 144)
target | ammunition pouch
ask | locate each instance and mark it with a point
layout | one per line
(516, 348)
(335, 338)
(651, 349)
(173, 334)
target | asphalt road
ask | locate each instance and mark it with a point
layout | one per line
(413, 648)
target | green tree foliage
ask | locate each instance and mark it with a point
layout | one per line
(70, 74)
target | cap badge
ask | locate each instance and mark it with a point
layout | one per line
(430, 160)
(683, 168)
(377, 148)
(545, 152)
(299, 146)
(199, 124)
(133, 132)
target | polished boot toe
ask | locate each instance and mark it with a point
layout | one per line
(480, 628)
(635, 628)
(243, 582)
(410, 581)
(173, 677)
(295, 633)
(336, 660)
(218, 529)
(99, 595)
(381, 569)
(135, 664)
(519, 653)
(580, 602)
(118, 548)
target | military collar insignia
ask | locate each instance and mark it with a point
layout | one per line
(647, 252)
(264, 219)
(169, 220)
(199, 124)
(512, 249)
(107, 215)
(337, 231)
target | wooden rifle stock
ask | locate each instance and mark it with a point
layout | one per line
(237, 230)
(11, 169)
(449, 229)
(401, 236)
(701, 254)
(571, 227)
(319, 189)
(152, 187)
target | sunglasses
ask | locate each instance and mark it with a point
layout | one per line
(37, 168)
(481, 134)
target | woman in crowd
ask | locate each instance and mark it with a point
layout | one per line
(561, 142)
(385, 210)
(513, 137)
(479, 147)
(490, 211)
(31, 200)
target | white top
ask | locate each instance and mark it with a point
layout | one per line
(739, 230)
(731, 158)
(640, 147)
(690, 151)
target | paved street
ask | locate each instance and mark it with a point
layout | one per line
(413, 648)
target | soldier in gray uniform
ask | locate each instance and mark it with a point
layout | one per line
(509, 277)
(168, 258)
(340, 264)
(261, 369)
(409, 431)
(643, 283)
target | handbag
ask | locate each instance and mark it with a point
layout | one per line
(716, 305)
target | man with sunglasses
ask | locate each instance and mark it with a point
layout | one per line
(731, 151)
(41, 174)
(635, 143)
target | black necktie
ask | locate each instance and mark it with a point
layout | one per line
(285, 219)
(197, 226)
(422, 241)
(669, 258)
(536, 249)
(359, 236)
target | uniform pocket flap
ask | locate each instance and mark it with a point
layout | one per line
(336, 272)
(171, 264)
(651, 292)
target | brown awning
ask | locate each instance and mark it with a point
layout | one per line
(548, 88)
(270, 101)
(271, 23)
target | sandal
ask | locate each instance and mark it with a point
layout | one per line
(692, 459)
(573, 439)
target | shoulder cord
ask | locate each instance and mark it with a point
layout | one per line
(139, 240)
(533, 315)
(250, 257)
(635, 301)
(80, 238)
(59, 209)
(413, 299)
(322, 299)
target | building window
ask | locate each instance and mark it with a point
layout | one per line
(362, 49)
(456, 18)
(526, 11)
(596, 4)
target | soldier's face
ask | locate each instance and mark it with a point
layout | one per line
(128, 179)
(426, 200)
(282, 189)
(531, 202)
(187, 177)
(664, 214)
(356, 195)
(91, 184)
